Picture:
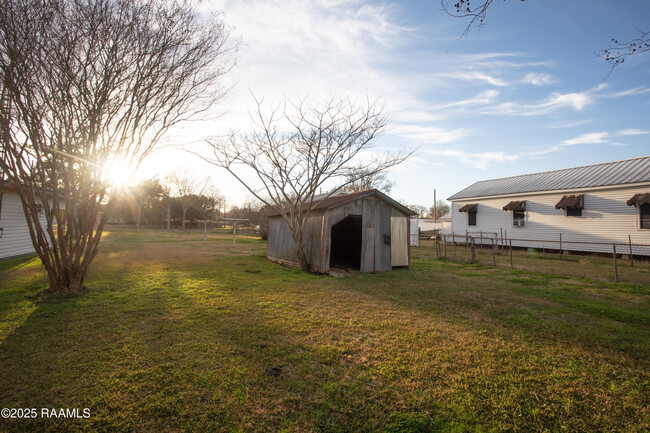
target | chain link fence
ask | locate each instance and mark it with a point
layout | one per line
(612, 262)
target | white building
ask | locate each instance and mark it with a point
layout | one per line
(596, 204)
(14, 232)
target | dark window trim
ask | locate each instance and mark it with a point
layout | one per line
(472, 215)
(518, 215)
(573, 212)
(644, 216)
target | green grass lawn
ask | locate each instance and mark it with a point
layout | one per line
(179, 334)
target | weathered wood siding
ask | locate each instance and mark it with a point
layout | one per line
(375, 219)
(281, 245)
(15, 239)
(606, 217)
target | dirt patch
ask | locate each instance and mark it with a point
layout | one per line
(342, 272)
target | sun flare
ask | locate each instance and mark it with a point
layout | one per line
(119, 174)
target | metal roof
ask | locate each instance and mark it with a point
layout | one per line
(340, 198)
(627, 171)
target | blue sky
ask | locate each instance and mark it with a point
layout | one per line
(524, 93)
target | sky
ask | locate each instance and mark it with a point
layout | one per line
(524, 93)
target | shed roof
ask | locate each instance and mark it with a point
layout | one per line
(627, 171)
(338, 199)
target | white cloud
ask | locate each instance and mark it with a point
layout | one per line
(479, 76)
(556, 101)
(539, 79)
(480, 160)
(588, 138)
(429, 134)
(563, 124)
(632, 131)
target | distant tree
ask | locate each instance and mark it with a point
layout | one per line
(614, 54)
(255, 212)
(213, 202)
(90, 84)
(421, 211)
(146, 199)
(186, 189)
(377, 180)
(441, 208)
(294, 152)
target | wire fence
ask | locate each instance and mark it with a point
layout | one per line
(613, 262)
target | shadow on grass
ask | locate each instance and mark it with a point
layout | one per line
(171, 339)
(534, 307)
(160, 349)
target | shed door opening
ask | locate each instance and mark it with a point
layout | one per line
(346, 243)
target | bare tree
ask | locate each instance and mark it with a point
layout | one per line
(90, 83)
(614, 54)
(295, 151)
(440, 209)
(617, 52)
(375, 180)
(185, 188)
(420, 210)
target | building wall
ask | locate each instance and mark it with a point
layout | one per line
(606, 217)
(375, 252)
(15, 240)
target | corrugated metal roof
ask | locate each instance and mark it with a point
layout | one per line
(623, 172)
(337, 199)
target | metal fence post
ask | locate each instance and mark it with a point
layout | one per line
(511, 264)
(501, 238)
(629, 239)
(560, 246)
(473, 247)
(494, 256)
(453, 241)
(615, 266)
(444, 243)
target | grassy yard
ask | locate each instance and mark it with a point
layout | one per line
(179, 334)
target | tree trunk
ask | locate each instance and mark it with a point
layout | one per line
(184, 212)
(169, 212)
(69, 279)
(303, 261)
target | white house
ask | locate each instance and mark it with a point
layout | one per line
(597, 204)
(14, 233)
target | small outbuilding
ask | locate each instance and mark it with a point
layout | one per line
(366, 231)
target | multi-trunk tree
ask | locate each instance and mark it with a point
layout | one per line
(88, 84)
(297, 151)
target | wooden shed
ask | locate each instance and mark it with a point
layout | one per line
(366, 231)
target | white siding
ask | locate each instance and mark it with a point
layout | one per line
(15, 239)
(606, 218)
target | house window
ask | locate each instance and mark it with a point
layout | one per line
(519, 218)
(573, 212)
(471, 210)
(644, 216)
(573, 205)
(471, 218)
(642, 202)
(518, 209)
